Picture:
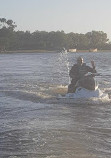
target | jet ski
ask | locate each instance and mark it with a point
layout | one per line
(86, 88)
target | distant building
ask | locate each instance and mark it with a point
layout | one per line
(93, 50)
(72, 50)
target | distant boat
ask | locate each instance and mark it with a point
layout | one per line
(93, 50)
(72, 50)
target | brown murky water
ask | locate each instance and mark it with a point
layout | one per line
(33, 124)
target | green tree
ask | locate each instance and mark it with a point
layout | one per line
(97, 39)
(6, 33)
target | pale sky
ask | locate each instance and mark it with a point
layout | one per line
(78, 16)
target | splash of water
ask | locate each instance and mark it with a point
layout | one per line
(64, 59)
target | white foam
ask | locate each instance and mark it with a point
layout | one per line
(85, 96)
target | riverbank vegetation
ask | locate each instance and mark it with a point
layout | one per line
(54, 40)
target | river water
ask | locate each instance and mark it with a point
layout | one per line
(34, 124)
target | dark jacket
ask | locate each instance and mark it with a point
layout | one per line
(79, 71)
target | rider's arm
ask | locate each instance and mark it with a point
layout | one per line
(93, 64)
(91, 69)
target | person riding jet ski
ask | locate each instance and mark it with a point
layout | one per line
(78, 76)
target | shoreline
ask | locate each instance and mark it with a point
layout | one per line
(51, 51)
(30, 51)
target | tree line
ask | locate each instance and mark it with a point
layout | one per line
(54, 40)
